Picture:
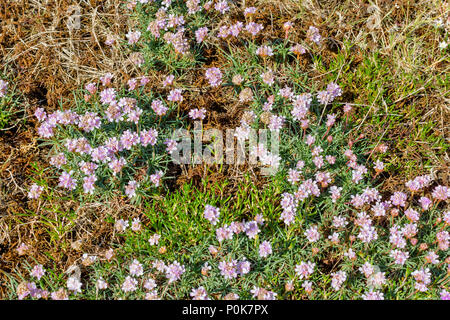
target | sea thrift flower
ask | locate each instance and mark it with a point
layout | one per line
(40, 114)
(307, 285)
(222, 6)
(136, 225)
(58, 160)
(254, 28)
(35, 191)
(399, 199)
(367, 269)
(136, 268)
(339, 221)
(3, 88)
(335, 193)
(338, 278)
(89, 184)
(66, 181)
(445, 295)
(412, 215)
(158, 107)
(129, 285)
(236, 28)
(116, 165)
(432, 258)
(121, 225)
(312, 234)
(265, 249)
(101, 284)
(168, 80)
(314, 35)
(441, 193)
(200, 34)
(373, 295)
(199, 294)
(224, 32)
(264, 51)
(108, 96)
(228, 269)
(150, 284)
(133, 37)
(379, 166)
(154, 239)
(223, 233)
(196, 114)
(443, 238)
(423, 278)
(174, 271)
(73, 284)
(243, 267)
(297, 49)
(334, 238)
(130, 188)
(214, 76)
(148, 137)
(37, 271)
(425, 203)
(304, 269)
(276, 123)
(331, 119)
(249, 11)
(175, 95)
(211, 214)
(252, 229)
(399, 256)
(156, 178)
(350, 254)
(172, 145)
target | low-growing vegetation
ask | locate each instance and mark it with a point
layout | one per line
(318, 168)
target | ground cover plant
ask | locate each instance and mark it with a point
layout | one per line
(327, 223)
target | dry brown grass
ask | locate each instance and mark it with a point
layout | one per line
(49, 58)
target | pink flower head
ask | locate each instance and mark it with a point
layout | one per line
(156, 178)
(3, 88)
(195, 114)
(35, 191)
(40, 114)
(106, 79)
(133, 36)
(174, 271)
(214, 76)
(168, 80)
(264, 51)
(91, 87)
(66, 181)
(312, 234)
(89, 184)
(314, 35)
(175, 95)
(254, 28)
(38, 271)
(265, 248)
(130, 188)
(148, 137)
